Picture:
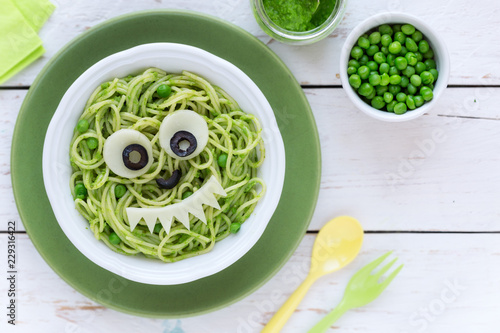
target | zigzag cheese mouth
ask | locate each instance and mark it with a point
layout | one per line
(180, 211)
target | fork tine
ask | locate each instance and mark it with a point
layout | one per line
(391, 277)
(371, 266)
(385, 268)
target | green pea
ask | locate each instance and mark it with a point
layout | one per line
(364, 72)
(400, 37)
(82, 126)
(186, 194)
(416, 80)
(417, 36)
(420, 67)
(222, 160)
(434, 73)
(394, 70)
(388, 97)
(386, 40)
(371, 96)
(429, 54)
(356, 52)
(396, 28)
(412, 90)
(400, 108)
(164, 90)
(92, 143)
(385, 29)
(374, 37)
(430, 63)
(403, 52)
(390, 106)
(355, 81)
(363, 42)
(120, 190)
(379, 57)
(401, 63)
(408, 71)
(378, 102)
(401, 97)
(407, 29)
(235, 227)
(390, 59)
(426, 77)
(372, 50)
(384, 79)
(410, 103)
(374, 79)
(351, 70)
(80, 191)
(426, 93)
(394, 89)
(395, 47)
(423, 46)
(114, 238)
(411, 45)
(395, 79)
(157, 228)
(353, 63)
(384, 50)
(384, 68)
(381, 90)
(372, 65)
(411, 58)
(363, 60)
(419, 56)
(404, 81)
(419, 100)
(365, 89)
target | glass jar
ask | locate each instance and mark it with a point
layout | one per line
(295, 37)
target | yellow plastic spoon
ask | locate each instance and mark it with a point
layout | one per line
(336, 245)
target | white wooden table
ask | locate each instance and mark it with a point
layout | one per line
(436, 203)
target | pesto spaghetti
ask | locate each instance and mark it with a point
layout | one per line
(232, 155)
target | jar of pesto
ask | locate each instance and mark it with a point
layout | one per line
(298, 21)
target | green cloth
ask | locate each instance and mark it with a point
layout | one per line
(20, 45)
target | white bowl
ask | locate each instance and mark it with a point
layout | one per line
(172, 58)
(441, 57)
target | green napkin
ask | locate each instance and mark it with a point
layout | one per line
(20, 45)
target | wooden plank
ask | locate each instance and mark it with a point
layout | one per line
(472, 43)
(391, 176)
(449, 284)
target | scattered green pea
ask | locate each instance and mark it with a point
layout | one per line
(386, 40)
(400, 37)
(157, 228)
(388, 97)
(385, 79)
(390, 59)
(82, 126)
(235, 227)
(356, 52)
(92, 143)
(390, 106)
(423, 46)
(395, 47)
(353, 63)
(408, 71)
(381, 90)
(412, 90)
(80, 191)
(415, 80)
(365, 89)
(363, 60)
(222, 160)
(394, 71)
(430, 63)
(114, 238)
(420, 67)
(372, 65)
(363, 42)
(186, 194)
(426, 77)
(401, 63)
(434, 73)
(411, 58)
(426, 93)
(372, 50)
(385, 29)
(410, 103)
(419, 100)
(404, 81)
(395, 79)
(379, 57)
(378, 102)
(164, 90)
(374, 79)
(411, 45)
(394, 89)
(352, 70)
(407, 29)
(374, 37)
(120, 190)
(417, 36)
(401, 97)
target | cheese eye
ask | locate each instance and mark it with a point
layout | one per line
(128, 153)
(183, 134)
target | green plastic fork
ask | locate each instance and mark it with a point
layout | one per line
(362, 289)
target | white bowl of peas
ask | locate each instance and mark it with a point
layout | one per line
(394, 67)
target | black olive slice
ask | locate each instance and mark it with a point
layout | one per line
(135, 157)
(178, 138)
(171, 182)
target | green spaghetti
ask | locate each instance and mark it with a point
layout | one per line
(234, 152)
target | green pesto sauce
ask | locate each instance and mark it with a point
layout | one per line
(298, 15)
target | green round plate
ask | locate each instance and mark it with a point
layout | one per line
(288, 224)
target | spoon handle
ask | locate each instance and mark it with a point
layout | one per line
(281, 317)
(325, 323)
